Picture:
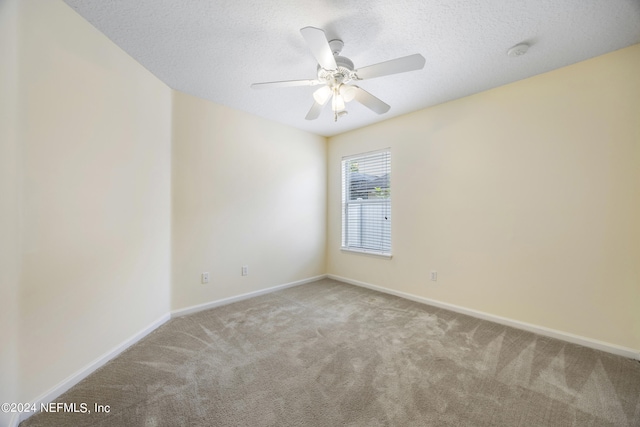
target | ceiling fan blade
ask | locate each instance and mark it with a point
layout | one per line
(394, 66)
(315, 111)
(317, 41)
(370, 101)
(287, 83)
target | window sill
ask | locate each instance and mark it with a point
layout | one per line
(363, 252)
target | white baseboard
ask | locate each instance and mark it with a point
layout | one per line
(195, 308)
(15, 420)
(75, 378)
(541, 330)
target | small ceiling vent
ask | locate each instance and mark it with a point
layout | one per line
(518, 50)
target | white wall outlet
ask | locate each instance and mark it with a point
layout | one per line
(245, 270)
(204, 278)
(434, 276)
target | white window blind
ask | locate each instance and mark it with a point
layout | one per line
(366, 203)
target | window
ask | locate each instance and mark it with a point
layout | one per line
(366, 203)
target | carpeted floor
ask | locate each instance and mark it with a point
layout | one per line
(331, 354)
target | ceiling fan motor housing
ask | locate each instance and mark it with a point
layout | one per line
(343, 74)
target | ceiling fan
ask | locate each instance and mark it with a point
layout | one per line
(335, 71)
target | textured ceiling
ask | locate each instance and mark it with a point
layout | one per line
(215, 49)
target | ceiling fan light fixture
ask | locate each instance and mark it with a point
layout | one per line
(348, 92)
(337, 104)
(321, 96)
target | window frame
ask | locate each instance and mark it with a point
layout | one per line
(345, 203)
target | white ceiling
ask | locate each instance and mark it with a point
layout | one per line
(215, 49)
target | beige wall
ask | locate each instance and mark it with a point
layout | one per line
(9, 205)
(96, 195)
(524, 198)
(246, 191)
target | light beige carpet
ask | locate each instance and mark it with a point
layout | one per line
(331, 354)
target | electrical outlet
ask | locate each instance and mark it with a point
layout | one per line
(204, 278)
(245, 270)
(434, 276)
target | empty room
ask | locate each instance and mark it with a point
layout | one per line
(320, 213)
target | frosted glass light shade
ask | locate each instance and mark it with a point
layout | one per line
(347, 92)
(321, 96)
